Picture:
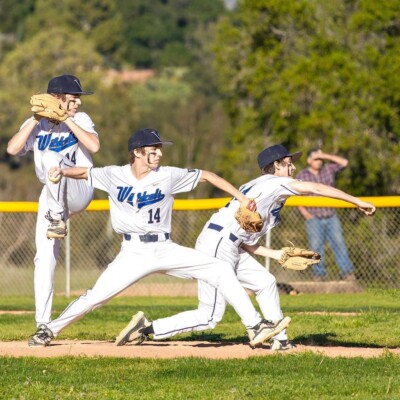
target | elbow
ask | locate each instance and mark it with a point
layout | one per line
(11, 150)
(94, 148)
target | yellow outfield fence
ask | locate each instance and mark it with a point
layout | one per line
(372, 244)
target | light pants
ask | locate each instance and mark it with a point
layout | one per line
(251, 275)
(137, 260)
(68, 197)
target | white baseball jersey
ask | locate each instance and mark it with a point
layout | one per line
(270, 193)
(145, 205)
(58, 138)
(140, 207)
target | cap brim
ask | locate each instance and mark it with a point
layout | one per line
(295, 156)
(82, 93)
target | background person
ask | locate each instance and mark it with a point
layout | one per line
(322, 223)
(56, 143)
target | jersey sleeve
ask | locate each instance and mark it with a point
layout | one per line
(100, 178)
(285, 188)
(184, 180)
(85, 122)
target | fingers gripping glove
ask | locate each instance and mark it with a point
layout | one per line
(250, 221)
(297, 258)
(48, 106)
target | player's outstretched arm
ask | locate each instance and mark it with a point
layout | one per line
(319, 189)
(55, 173)
(221, 183)
(262, 251)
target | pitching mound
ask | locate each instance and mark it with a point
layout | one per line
(168, 349)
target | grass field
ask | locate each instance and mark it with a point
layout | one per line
(369, 319)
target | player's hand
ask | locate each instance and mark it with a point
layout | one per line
(250, 204)
(367, 208)
(55, 174)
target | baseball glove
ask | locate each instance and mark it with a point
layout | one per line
(297, 258)
(250, 221)
(48, 106)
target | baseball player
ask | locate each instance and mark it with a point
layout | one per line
(56, 143)
(270, 192)
(141, 196)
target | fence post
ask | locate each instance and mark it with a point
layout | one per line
(68, 261)
(267, 245)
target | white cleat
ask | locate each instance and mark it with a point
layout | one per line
(266, 330)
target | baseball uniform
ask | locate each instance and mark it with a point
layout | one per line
(55, 144)
(270, 193)
(141, 211)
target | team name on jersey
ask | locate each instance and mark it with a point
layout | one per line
(56, 144)
(143, 199)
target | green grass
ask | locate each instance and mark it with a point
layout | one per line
(376, 323)
(291, 377)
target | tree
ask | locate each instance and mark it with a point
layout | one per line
(159, 33)
(98, 20)
(306, 73)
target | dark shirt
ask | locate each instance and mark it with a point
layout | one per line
(326, 176)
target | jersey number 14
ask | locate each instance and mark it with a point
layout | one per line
(155, 217)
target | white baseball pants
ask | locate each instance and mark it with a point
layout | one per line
(68, 197)
(137, 260)
(251, 275)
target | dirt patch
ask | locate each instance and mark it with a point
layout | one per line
(175, 349)
(14, 312)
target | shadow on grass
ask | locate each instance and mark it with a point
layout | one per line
(328, 340)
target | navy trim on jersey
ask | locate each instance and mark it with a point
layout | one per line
(59, 183)
(89, 178)
(290, 190)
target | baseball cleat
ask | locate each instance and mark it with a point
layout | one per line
(266, 330)
(42, 337)
(134, 330)
(57, 228)
(282, 345)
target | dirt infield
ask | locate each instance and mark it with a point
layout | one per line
(175, 349)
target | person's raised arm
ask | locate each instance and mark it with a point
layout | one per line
(89, 140)
(17, 142)
(330, 157)
(304, 188)
(221, 183)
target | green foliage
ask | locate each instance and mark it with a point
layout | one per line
(306, 73)
(160, 33)
(99, 21)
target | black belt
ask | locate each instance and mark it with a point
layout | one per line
(148, 237)
(219, 228)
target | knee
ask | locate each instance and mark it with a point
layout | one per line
(267, 282)
(50, 159)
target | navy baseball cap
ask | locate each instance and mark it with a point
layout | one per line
(66, 84)
(145, 137)
(274, 153)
